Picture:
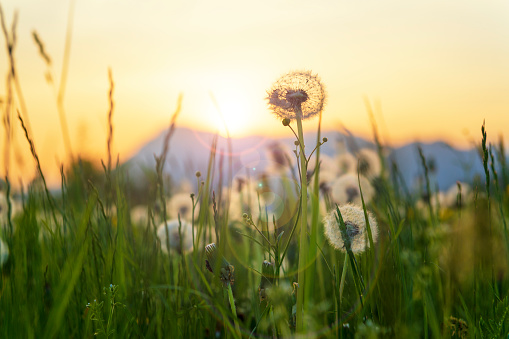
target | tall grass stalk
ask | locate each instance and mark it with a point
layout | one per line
(39, 169)
(11, 40)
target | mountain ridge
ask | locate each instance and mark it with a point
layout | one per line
(189, 151)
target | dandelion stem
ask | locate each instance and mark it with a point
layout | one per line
(303, 247)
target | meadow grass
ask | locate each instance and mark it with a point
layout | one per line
(80, 265)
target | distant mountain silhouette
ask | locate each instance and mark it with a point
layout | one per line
(189, 151)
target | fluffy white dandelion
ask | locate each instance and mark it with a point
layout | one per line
(368, 163)
(325, 180)
(181, 204)
(356, 230)
(345, 189)
(296, 92)
(139, 215)
(180, 241)
(345, 163)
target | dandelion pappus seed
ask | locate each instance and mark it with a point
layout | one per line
(296, 93)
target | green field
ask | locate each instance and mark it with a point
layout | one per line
(80, 263)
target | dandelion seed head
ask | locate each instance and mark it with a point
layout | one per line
(368, 163)
(356, 230)
(345, 163)
(345, 189)
(177, 244)
(296, 92)
(181, 204)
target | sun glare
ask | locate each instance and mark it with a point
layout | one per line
(231, 115)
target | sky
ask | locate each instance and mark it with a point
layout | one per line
(433, 69)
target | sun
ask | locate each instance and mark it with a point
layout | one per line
(232, 113)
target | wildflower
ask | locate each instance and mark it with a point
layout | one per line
(297, 93)
(180, 241)
(225, 271)
(345, 163)
(368, 163)
(181, 205)
(356, 231)
(4, 252)
(345, 189)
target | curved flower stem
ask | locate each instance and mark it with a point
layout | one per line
(303, 246)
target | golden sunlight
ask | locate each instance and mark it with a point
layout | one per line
(232, 110)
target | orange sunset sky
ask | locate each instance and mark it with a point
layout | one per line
(437, 68)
